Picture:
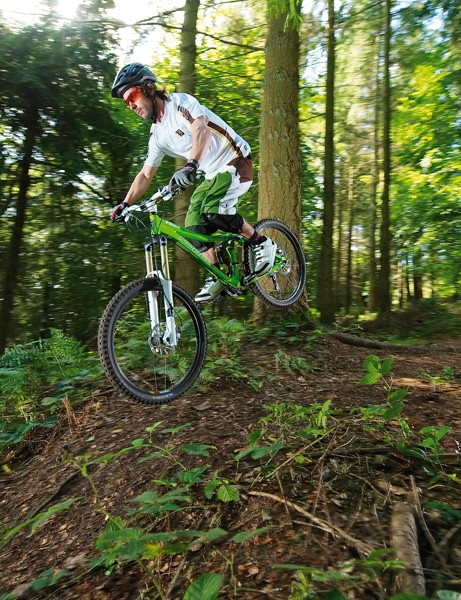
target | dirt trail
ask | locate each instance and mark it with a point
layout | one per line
(348, 481)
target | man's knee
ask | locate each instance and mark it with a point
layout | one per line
(230, 223)
(205, 230)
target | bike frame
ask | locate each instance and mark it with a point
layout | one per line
(161, 227)
(161, 230)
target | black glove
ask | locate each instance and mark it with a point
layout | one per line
(117, 213)
(185, 176)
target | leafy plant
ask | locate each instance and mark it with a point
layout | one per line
(378, 370)
(222, 489)
(48, 578)
(37, 520)
(225, 337)
(35, 380)
(291, 363)
(448, 374)
(334, 584)
(432, 437)
(206, 587)
(449, 513)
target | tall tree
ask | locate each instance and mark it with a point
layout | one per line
(326, 297)
(279, 154)
(47, 77)
(384, 296)
(372, 275)
(186, 271)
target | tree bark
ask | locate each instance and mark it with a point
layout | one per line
(372, 263)
(280, 157)
(384, 298)
(186, 269)
(405, 543)
(14, 247)
(350, 198)
(326, 298)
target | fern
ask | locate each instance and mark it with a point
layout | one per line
(36, 377)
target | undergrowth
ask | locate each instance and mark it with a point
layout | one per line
(37, 379)
(281, 445)
(41, 380)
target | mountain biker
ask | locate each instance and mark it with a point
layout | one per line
(182, 127)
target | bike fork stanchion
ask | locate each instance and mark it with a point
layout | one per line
(169, 337)
(151, 295)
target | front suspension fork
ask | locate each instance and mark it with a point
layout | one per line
(169, 337)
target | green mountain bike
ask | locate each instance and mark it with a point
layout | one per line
(152, 337)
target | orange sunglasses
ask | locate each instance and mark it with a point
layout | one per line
(134, 96)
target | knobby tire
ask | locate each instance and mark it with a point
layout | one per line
(286, 286)
(150, 372)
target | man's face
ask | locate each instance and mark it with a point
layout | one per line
(136, 100)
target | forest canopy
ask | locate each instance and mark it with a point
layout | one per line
(69, 151)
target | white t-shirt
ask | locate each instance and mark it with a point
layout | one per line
(172, 136)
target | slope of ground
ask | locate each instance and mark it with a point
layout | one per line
(327, 496)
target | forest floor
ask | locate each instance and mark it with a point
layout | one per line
(327, 497)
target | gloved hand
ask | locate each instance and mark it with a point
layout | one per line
(117, 213)
(185, 176)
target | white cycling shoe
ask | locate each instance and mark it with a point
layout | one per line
(264, 256)
(210, 290)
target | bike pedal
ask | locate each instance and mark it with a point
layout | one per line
(233, 293)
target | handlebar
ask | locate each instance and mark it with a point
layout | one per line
(163, 194)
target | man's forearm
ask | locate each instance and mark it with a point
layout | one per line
(138, 188)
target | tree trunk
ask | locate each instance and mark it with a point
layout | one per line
(337, 257)
(372, 264)
(14, 248)
(186, 269)
(385, 260)
(326, 299)
(350, 197)
(280, 158)
(417, 287)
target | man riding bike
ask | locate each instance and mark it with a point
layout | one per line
(182, 127)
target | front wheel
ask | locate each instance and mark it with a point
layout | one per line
(285, 284)
(138, 358)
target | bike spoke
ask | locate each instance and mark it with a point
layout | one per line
(137, 354)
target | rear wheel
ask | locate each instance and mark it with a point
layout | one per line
(283, 287)
(142, 363)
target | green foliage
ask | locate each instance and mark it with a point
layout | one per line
(424, 445)
(143, 535)
(284, 420)
(450, 514)
(130, 539)
(222, 489)
(146, 536)
(59, 362)
(377, 370)
(36, 521)
(36, 379)
(225, 338)
(290, 428)
(334, 584)
(206, 587)
(48, 578)
(291, 363)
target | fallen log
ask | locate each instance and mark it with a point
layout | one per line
(404, 541)
(359, 342)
